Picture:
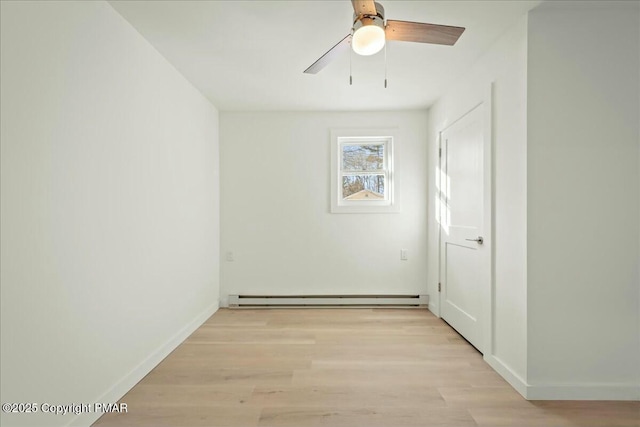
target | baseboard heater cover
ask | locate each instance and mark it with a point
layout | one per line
(256, 301)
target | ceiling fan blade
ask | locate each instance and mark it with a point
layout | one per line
(325, 59)
(364, 7)
(422, 33)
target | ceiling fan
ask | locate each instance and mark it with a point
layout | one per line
(370, 32)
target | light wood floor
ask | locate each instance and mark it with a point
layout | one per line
(340, 367)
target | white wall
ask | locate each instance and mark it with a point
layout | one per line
(504, 65)
(275, 218)
(583, 203)
(109, 206)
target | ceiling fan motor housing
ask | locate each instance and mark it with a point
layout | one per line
(361, 20)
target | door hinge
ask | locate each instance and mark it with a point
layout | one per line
(439, 287)
(440, 152)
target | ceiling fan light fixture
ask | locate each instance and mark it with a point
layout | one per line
(368, 39)
(370, 30)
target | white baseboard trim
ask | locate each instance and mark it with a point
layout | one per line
(563, 391)
(121, 387)
(505, 372)
(583, 392)
(434, 309)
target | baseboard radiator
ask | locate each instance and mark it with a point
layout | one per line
(268, 301)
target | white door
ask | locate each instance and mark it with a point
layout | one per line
(462, 273)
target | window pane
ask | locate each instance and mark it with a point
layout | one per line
(363, 187)
(362, 157)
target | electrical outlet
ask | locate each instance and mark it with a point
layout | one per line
(404, 254)
(229, 256)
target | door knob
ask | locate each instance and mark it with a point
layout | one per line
(480, 240)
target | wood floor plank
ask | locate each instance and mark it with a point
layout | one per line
(188, 395)
(195, 375)
(374, 367)
(245, 350)
(380, 351)
(483, 397)
(399, 376)
(561, 417)
(389, 338)
(364, 416)
(246, 361)
(182, 416)
(456, 364)
(347, 397)
(251, 336)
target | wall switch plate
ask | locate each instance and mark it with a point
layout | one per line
(404, 254)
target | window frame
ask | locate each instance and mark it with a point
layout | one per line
(385, 137)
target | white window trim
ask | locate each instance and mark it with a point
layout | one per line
(390, 204)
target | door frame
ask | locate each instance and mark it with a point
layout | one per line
(488, 262)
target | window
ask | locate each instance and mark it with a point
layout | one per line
(364, 169)
(362, 172)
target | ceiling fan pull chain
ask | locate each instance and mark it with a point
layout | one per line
(350, 73)
(385, 65)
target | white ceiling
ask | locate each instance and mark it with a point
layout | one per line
(250, 55)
